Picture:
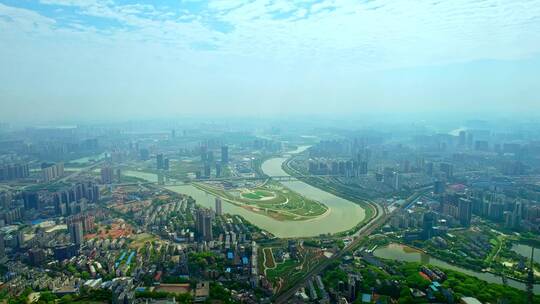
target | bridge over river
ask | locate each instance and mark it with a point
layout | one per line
(175, 182)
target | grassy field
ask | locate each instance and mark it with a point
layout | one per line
(257, 194)
(140, 240)
(269, 258)
(271, 199)
(283, 270)
(290, 271)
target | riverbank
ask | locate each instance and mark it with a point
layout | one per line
(342, 215)
(406, 253)
(371, 209)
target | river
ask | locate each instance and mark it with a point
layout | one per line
(408, 254)
(525, 251)
(342, 215)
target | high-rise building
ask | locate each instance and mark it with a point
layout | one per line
(447, 169)
(439, 187)
(219, 210)
(224, 154)
(397, 181)
(61, 200)
(64, 252)
(76, 232)
(513, 218)
(159, 161)
(465, 211)
(462, 138)
(88, 221)
(388, 176)
(470, 140)
(427, 225)
(5, 200)
(36, 256)
(14, 171)
(165, 164)
(429, 169)
(363, 168)
(204, 153)
(204, 224)
(31, 200)
(20, 239)
(144, 154)
(218, 170)
(2, 246)
(481, 145)
(51, 172)
(107, 174)
(207, 170)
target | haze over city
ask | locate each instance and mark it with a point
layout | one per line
(92, 59)
(269, 151)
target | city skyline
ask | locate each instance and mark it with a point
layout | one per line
(269, 151)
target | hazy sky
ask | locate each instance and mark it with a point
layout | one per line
(103, 59)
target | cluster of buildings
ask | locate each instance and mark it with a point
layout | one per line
(512, 213)
(345, 168)
(51, 172)
(109, 174)
(10, 172)
(73, 199)
(162, 163)
(210, 164)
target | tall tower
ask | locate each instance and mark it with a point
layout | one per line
(219, 211)
(2, 246)
(465, 211)
(76, 232)
(204, 224)
(107, 175)
(159, 161)
(225, 154)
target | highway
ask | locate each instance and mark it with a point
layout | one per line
(79, 172)
(374, 224)
(174, 182)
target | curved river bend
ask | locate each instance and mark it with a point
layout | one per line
(343, 214)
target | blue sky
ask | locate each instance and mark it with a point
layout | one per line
(104, 59)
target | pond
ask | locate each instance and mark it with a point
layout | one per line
(525, 251)
(407, 254)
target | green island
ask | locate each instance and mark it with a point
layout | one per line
(271, 199)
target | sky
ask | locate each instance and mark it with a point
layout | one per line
(91, 60)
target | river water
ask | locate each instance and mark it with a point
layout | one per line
(408, 254)
(342, 215)
(525, 251)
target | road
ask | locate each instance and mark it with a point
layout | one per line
(79, 172)
(373, 225)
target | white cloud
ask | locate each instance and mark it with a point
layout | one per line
(380, 34)
(250, 45)
(24, 20)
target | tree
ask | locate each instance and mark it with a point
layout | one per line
(66, 299)
(417, 281)
(47, 297)
(85, 275)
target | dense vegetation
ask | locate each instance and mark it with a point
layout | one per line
(407, 275)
